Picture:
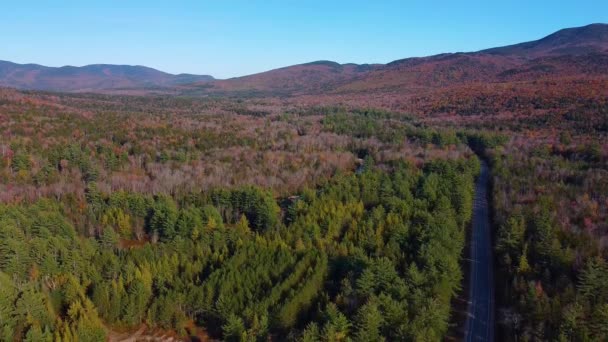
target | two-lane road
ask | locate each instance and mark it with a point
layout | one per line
(480, 319)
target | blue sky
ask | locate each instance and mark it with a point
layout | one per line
(232, 38)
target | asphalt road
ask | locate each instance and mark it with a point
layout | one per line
(480, 318)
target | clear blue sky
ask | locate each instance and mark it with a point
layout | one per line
(232, 38)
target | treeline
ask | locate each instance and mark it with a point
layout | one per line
(367, 256)
(393, 129)
(387, 128)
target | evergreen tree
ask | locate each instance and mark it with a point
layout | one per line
(368, 323)
(164, 218)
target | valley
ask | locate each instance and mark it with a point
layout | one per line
(315, 202)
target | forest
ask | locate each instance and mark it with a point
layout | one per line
(108, 228)
(260, 219)
(552, 218)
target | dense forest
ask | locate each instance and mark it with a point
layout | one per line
(552, 219)
(550, 186)
(107, 227)
(249, 220)
(367, 256)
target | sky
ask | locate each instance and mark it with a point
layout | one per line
(227, 38)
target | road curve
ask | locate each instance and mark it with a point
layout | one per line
(480, 315)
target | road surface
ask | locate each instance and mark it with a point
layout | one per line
(480, 316)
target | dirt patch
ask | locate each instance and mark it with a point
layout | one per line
(144, 333)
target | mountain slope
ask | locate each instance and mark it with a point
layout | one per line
(580, 52)
(574, 52)
(297, 79)
(571, 41)
(89, 78)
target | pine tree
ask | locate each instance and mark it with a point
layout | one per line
(164, 218)
(524, 266)
(109, 238)
(21, 162)
(599, 322)
(234, 329)
(593, 280)
(311, 333)
(337, 326)
(368, 323)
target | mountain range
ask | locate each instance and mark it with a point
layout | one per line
(580, 52)
(90, 78)
(573, 52)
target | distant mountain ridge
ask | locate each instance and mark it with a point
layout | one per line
(572, 52)
(296, 79)
(568, 53)
(572, 41)
(92, 77)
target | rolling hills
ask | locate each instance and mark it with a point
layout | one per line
(90, 78)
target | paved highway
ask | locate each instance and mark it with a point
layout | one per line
(480, 318)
